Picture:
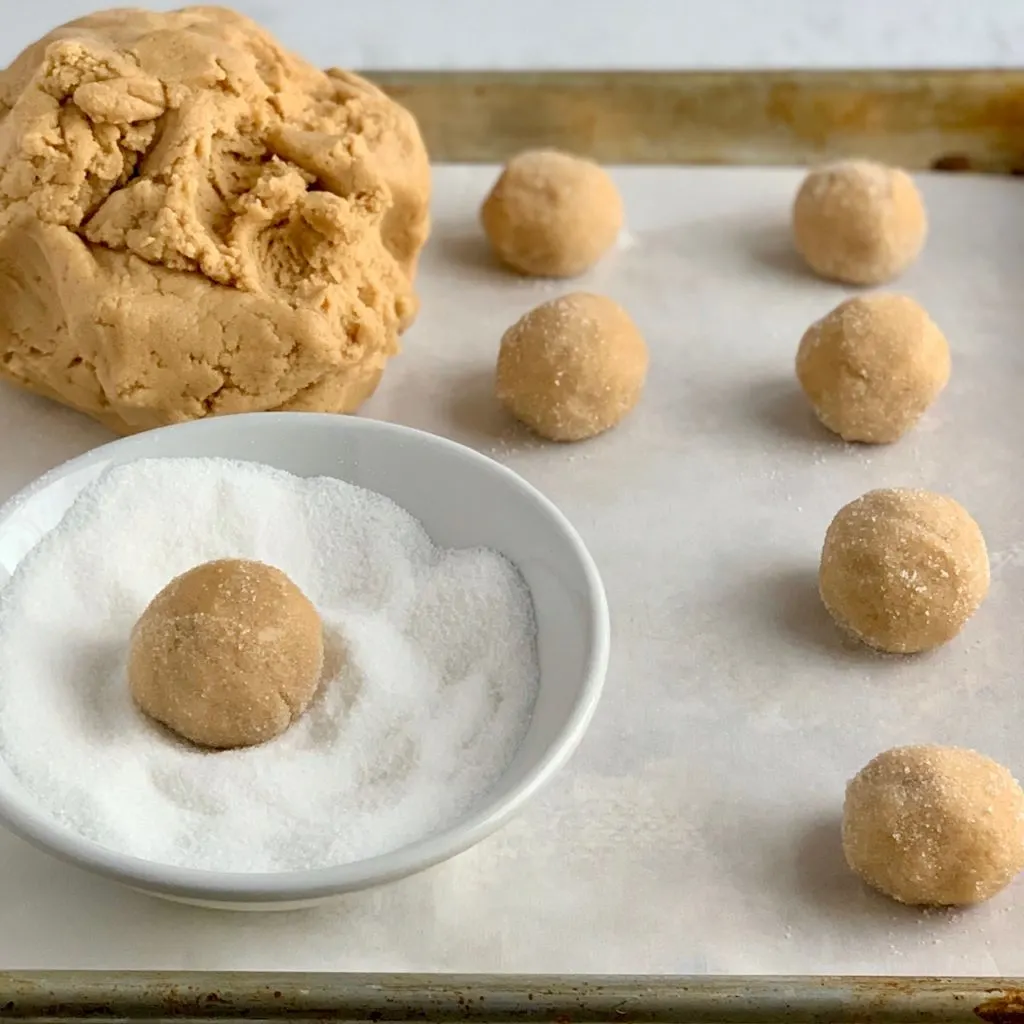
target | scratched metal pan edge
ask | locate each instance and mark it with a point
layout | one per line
(947, 120)
(441, 998)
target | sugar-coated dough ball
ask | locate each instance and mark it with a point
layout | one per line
(903, 570)
(228, 654)
(872, 366)
(859, 222)
(551, 214)
(934, 826)
(572, 367)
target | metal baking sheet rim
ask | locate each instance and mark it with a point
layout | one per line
(110, 996)
(938, 120)
(987, 142)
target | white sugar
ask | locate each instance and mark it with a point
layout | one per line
(405, 736)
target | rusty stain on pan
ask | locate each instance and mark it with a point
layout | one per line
(1004, 1007)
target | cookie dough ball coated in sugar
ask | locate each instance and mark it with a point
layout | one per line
(872, 366)
(572, 367)
(227, 655)
(551, 214)
(934, 826)
(859, 222)
(903, 570)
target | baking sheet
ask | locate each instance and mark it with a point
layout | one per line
(696, 829)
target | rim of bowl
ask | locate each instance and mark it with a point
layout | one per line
(316, 883)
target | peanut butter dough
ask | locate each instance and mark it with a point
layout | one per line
(551, 214)
(859, 222)
(934, 826)
(572, 368)
(194, 221)
(872, 366)
(228, 654)
(903, 570)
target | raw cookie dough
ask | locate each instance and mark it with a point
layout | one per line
(195, 221)
(934, 826)
(551, 214)
(872, 366)
(859, 222)
(228, 654)
(903, 570)
(572, 367)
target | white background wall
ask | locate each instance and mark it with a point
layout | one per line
(610, 33)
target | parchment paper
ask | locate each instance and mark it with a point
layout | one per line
(697, 828)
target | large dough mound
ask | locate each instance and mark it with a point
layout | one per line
(194, 221)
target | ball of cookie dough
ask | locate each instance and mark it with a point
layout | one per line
(551, 214)
(859, 222)
(872, 366)
(572, 367)
(195, 221)
(228, 654)
(903, 570)
(934, 826)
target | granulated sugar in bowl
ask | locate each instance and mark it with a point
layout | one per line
(473, 621)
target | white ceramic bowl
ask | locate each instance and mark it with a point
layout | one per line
(463, 499)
